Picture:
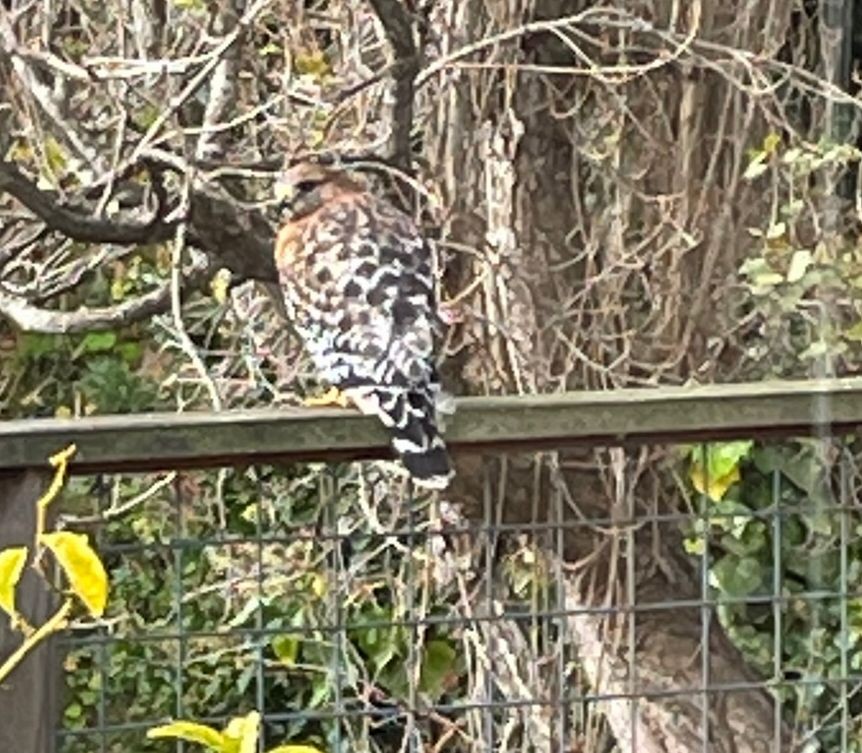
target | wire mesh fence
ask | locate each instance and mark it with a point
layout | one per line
(721, 583)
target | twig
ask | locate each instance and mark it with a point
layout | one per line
(183, 338)
(197, 80)
(57, 622)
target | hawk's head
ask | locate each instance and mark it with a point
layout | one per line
(305, 187)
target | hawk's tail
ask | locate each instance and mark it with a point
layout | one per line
(411, 418)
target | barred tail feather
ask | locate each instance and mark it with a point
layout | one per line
(430, 469)
(411, 418)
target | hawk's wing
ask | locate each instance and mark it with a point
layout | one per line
(358, 280)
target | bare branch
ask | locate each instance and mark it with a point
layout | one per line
(235, 237)
(241, 239)
(74, 225)
(222, 92)
(34, 319)
(216, 55)
(398, 26)
(42, 94)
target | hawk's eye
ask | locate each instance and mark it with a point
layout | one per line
(306, 186)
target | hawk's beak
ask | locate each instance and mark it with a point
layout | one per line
(285, 193)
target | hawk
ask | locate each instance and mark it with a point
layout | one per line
(358, 283)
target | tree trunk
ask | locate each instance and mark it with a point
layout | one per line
(599, 217)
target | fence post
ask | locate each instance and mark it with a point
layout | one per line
(29, 697)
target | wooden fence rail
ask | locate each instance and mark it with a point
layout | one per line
(193, 440)
(677, 414)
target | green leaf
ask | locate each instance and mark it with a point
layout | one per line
(438, 665)
(55, 155)
(720, 458)
(312, 64)
(738, 576)
(286, 648)
(295, 749)
(715, 468)
(98, 342)
(190, 732)
(130, 352)
(771, 142)
(36, 344)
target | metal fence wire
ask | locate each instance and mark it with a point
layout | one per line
(357, 616)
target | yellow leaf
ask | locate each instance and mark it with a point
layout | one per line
(12, 563)
(190, 732)
(82, 566)
(20, 151)
(319, 585)
(718, 485)
(313, 64)
(219, 285)
(55, 155)
(295, 749)
(771, 142)
(244, 729)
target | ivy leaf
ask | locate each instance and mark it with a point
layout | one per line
(295, 749)
(715, 487)
(715, 468)
(82, 566)
(12, 563)
(190, 732)
(286, 649)
(722, 457)
(98, 342)
(438, 665)
(737, 576)
(799, 263)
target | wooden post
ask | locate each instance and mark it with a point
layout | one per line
(29, 697)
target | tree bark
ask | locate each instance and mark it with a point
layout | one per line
(540, 238)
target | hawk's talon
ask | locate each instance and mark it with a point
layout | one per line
(333, 397)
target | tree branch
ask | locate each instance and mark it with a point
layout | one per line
(222, 92)
(398, 27)
(76, 226)
(234, 237)
(34, 319)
